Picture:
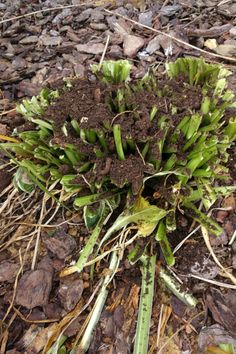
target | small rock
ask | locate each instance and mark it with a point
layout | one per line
(121, 27)
(169, 10)
(73, 230)
(226, 49)
(19, 63)
(91, 48)
(232, 31)
(34, 288)
(115, 51)
(8, 270)
(211, 43)
(228, 9)
(70, 292)
(97, 15)
(65, 13)
(132, 44)
(29, 40)
(98, 26)
(54, 33)
(145, 18)
(50, 41)
(154, 44)
(28, 88)
(230, 41)
(83, 16)
(121, 11)
(61, 244)
(79, 70)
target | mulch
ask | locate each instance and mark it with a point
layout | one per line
(38, 50)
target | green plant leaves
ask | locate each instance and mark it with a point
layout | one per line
(22, 181)
(145, 305)
(114, 72)
(143, 215)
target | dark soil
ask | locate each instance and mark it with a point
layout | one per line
(92, 106)
(5, 179)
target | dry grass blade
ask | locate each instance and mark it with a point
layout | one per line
(173, 38)
(160, 351)
(104, 52)
(214, 282)
(207, 242)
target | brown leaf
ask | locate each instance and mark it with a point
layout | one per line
(223, 308)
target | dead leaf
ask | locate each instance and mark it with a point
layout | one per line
(223, 308)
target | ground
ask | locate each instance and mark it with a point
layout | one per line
(45, 46)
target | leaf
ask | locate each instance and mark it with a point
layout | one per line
(203, 219)
(92, 215)
(113, 71)
(90, 243)
(22, 181)
(86, 200)
(145, 305)
(144, 215)
(161, 237)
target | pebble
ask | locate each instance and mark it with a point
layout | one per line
(232, 31)
(91, 48)
(145, 18)
(154, 44)
(72, 231)
(132, 44)
(83, 16)
(79, 70)
(50, 41)
(98, 26)
(115, 51)
(29, 40)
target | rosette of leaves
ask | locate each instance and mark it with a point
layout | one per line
(181, 124)
(165, 137)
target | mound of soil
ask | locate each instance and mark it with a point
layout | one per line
(94, 106)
